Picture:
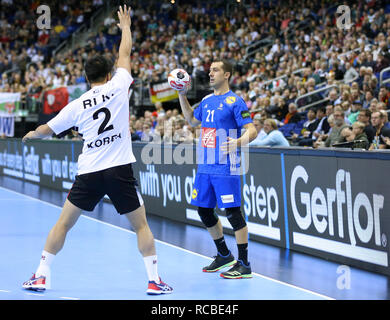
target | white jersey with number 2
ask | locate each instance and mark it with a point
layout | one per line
(102, 118)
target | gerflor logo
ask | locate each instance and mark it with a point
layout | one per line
(336, 220)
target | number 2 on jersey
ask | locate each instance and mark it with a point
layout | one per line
(210, 112)
(107, 118)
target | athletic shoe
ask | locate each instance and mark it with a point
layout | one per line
(238, 271)
(36, 284)
(155, 288)
(220, 262)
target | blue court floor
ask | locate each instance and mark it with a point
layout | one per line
(100, 259)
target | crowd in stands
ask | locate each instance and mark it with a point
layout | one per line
(347, 62)
(27, 64)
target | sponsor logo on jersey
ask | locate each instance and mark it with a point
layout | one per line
(227, 198)
(230, 100)
(209, 139)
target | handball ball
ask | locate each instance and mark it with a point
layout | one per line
(178, 79)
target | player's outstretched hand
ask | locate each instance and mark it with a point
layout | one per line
(124, 17)
(229, 146)
(28, 136)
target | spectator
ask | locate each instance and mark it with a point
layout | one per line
(355, 109)
(308, 128)
(274, 137)
(346, 106)
(147, 133)
(346, 135)
(377, 121)
(292, 116)
(380, 64)
(159, 109)
(333, 96)
(338, 73)
(350, 73)
(384, 96)
(323, 125)
(181, 133)
(369, 96)
(364, 117)
(138, 126)
(359, 136)
(339, 124)
(258, 122)
(320, 142)
(385, 118)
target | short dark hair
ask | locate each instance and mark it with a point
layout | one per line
(367, 112)
(226, 66)
(381, 115)
(97, 68)
(322, 109)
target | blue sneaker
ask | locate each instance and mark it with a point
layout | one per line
(158, 288)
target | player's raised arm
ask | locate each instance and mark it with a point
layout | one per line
(126, 41)
(188, 112)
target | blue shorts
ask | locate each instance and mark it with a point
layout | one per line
(210, 189)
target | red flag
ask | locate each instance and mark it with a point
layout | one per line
(55, 100)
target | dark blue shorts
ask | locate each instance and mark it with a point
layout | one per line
(210, 189)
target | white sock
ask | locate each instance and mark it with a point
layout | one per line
(151, 268)
(44, 264)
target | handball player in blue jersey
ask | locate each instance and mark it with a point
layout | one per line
(222, 116)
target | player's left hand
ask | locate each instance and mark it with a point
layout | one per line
(229, 146)
(124, 17)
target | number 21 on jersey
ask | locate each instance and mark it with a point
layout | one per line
(210, 116)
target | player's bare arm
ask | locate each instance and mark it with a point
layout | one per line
(41, 132)
(126, 40)
(249, 135)
(187, 110)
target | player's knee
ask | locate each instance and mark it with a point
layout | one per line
(137, 219)
(207, 216)
(235, 218)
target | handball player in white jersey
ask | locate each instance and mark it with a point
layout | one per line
(104, 166)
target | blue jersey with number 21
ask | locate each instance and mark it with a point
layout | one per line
(222, 116)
